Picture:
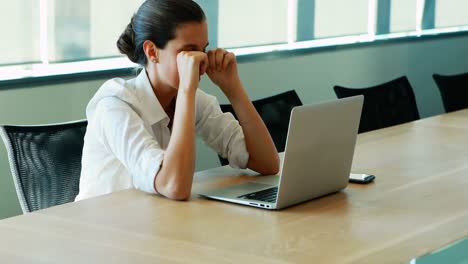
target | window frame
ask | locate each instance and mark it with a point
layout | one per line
(39, 74)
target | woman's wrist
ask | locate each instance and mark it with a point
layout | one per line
(234, 91)
(238, 97)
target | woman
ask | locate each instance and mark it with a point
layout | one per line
(141, 132)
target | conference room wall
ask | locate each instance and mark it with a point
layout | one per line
(312, 75)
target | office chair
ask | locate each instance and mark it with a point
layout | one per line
(45, 162)
(385, 105)
(275, 112)
(453, 90)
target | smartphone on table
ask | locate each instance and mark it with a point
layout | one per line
(361, 178)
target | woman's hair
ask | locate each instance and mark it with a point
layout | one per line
(156, 20)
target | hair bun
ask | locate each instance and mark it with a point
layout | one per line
(126, 42)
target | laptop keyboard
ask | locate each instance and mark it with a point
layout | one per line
(267, 195)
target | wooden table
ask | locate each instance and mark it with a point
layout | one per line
(418, 203)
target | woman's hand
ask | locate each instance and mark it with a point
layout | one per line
(222, 70)
(191, 65)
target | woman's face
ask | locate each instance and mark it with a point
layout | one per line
(192, 36)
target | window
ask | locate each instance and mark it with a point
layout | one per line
(341, 17)
(49, 37)
(449, 13)
(80, 30)
(107, 23)
(20, 32)
(259, 24)
(403, 15)
(68, 30)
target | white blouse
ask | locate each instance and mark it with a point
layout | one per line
(128, 133)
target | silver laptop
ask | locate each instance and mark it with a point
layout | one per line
(317, 158)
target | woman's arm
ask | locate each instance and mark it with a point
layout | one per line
(263, 156)
(174, 179)
(222, 70)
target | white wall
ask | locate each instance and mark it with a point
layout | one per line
(312, 76)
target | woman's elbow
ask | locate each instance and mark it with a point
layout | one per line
(177, 193)
(270, 167)
(179, 196)
(273, 167)
(174, 190)
(276, 167)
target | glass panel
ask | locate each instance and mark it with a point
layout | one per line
(80, 30)
(449, 13)
(109, 18)
(20, 42)
(340, 17)
(403, 15)
(259, 24)
(68, 30)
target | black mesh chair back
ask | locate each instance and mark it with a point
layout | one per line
(275, 112)
(45, 162)
(385, 105)
(453, 90)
